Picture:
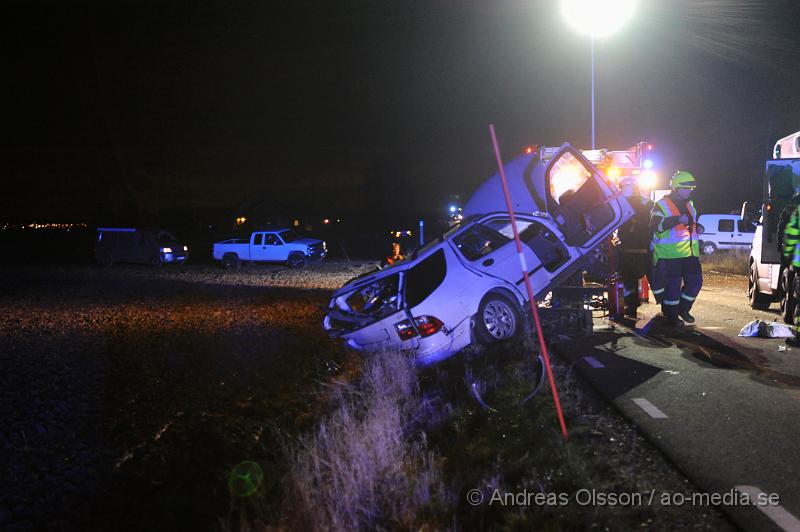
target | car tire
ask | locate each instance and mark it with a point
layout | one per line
(231, 262)
(708, 248)
(498, 319)
(296, 260)
(156, 261)
(758, 301)
(787, 296)
(105, 259)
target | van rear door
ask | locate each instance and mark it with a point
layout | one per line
(782, 175)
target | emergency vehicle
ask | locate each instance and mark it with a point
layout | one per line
(769, 280)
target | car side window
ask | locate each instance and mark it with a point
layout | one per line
(546, 245)
(479, 240)
(746, 226)
(726, 226)
(270, 240)
(259, 238)
(424, 278)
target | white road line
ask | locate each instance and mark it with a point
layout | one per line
(594, 362)
(650, 408)
(782, 518)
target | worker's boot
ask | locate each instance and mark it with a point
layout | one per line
(670, 312)
(631, 305)
(683, 311)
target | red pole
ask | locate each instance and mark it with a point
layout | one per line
(528, 286)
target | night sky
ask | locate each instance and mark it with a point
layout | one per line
(363, 106)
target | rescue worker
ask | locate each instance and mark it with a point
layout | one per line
(791, 255)
(634, 236)
(676, 249)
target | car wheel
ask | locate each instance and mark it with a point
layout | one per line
(296, 260)
(105, 259)
(156, 261)
(231, 262)
(787, 296)
(758, 301)
(498, 319)
(708, 248)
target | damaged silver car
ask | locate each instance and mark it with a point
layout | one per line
(467, 285)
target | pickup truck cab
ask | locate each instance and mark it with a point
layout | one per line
(280, 245)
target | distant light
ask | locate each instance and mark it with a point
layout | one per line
(240, 220)
(597, 18)
(326, 221)
(296, 223)
(649, 146)
(453, 208)
(648, 163)
(647, 180)
(338, 221)
(186, 248)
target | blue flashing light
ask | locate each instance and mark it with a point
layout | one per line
(452, 208)
(648, 163)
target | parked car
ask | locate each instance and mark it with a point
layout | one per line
(153, 247)
(725, 231)
(467, 285)
(280, 245)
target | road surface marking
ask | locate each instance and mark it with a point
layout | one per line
(594, 362)
(782, 518)
(650, 408)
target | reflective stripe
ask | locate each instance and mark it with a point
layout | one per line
(671, 302)
(628, 292)
(689, 298)
(659, 290)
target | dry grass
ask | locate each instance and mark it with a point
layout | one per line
(365, 465)
(734, 261)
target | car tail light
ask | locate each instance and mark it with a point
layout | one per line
(426, 325)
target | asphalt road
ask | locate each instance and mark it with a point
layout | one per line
(724, 409)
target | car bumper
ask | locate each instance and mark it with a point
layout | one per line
(426, 351)
(175, 257)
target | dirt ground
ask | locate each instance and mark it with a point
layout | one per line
(131, 394)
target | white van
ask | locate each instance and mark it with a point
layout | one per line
(725, 231)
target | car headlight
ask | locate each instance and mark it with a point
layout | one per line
(166, 250)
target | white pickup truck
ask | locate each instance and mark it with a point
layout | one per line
(280, 245)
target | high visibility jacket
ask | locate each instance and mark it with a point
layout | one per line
(791, 239)
(678, 241)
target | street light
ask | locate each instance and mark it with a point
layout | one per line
(597, 19)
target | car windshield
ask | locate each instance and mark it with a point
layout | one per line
(289, 236)
(165, 237)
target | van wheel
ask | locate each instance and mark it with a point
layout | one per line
(231, 262)
(758, 301)
(105, 259)
(787, 296)
(498, 319)
(296, 260)
(708, 248)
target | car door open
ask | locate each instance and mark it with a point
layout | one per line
(584, 205)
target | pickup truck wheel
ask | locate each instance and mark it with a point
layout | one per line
(498, 319)
(231, 262)
(708, 248)
(758, 301)
(296, 260)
